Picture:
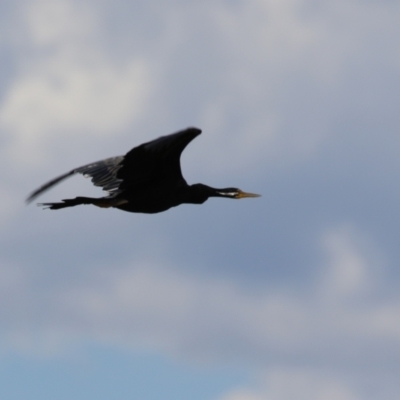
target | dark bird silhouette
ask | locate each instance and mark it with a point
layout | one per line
(148, 179)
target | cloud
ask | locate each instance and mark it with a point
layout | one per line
(242, 395)
(66, 83)
(349, 274)
(296, 384)
(276, 76)
(272, 84)
(314, 342)
(265, 80)
(72, 98)
(50, 23)
(145, 302)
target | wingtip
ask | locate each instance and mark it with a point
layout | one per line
(47, 186)
(30, 198)
(194, 130)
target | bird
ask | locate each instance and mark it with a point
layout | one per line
(148, 179)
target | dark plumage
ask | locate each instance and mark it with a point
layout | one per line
(148, 179)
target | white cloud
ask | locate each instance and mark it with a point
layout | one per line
(98, 99)
(51, 22)
(272, 73)
(67, 84)
(242, 395)
(308, 385)
(350, 271)
(296, 384)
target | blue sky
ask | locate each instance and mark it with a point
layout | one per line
(290, 296)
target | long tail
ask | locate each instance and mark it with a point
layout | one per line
(74, 202)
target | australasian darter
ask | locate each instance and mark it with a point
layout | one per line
(147, 179)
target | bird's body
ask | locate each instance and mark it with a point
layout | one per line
(148, 179)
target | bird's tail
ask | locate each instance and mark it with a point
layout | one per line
(76, 202)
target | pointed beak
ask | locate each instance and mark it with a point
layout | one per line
(242, 195)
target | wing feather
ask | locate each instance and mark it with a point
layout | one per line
(103, 174)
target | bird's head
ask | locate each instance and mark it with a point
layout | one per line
(202, 192)
(199, 193)
(233, 193)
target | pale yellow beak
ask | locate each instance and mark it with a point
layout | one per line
(242, 195)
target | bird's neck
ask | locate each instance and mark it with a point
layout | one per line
(198, 193)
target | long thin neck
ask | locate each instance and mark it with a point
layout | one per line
(199, 193)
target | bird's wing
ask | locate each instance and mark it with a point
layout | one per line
(156, 160)
(103, 174)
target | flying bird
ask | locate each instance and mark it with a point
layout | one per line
(147, 179)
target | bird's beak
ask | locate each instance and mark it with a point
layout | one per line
(242, 195)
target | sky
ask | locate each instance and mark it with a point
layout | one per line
(290, 296)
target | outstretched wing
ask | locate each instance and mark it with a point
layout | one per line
(103, 174)
(156, 160)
